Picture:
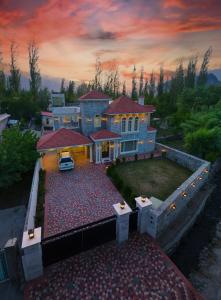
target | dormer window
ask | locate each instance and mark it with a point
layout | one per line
(123, 124)
(97, 121)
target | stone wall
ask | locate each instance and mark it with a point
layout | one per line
(163, 216)
(31, 211)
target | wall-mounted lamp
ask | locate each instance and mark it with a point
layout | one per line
(31, 233)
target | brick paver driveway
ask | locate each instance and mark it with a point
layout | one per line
(77, 197)
(136, 270)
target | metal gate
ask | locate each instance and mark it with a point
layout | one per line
(3, 266)
(66, 244)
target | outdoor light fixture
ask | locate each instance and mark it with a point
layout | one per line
(200, 178)
(122, 204)
(193, 184)
(143, 198)
(173, 206)
(206, 171)
(184, 194)
(31, 234)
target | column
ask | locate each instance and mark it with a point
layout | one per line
(32, 255)
(115, 150)
(91, 154)
(122, 225)
(143, 204)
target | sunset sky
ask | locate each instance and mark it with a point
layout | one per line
(72, 33)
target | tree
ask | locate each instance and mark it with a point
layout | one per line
(160, 87)
(70, 91)
(124, 92)
(2, 77)
(146, 90)
(191, 73)
(134, 85)
(152, 86)
(204, 68)
(62, 88)
(141, 88)
(17, 155)
(15, 75)
(97, 83)
(35, 77)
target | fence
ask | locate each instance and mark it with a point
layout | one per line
(31, 211)
(74, 241)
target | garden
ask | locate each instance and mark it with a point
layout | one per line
(157, 177)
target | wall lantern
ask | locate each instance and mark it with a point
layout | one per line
(122, 204)
(173, 206)
(184, 194)
(31, 233)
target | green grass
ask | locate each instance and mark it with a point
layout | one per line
(152, 177)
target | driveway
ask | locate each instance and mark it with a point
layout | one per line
(77, 197)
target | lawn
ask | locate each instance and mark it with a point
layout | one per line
(152, 177)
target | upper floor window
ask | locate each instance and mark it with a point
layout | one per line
(67, 119)
(97, 121)
(130, 124)
(136, 124)
(123, 125)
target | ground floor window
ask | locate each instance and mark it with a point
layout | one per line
(128, 146)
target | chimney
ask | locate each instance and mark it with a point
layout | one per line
(141, 100)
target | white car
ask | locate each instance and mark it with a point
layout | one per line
(66, 162)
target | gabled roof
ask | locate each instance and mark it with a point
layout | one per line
(95, 95)
(62, 138)
(124, 105)
(46, 113)
(104, 134)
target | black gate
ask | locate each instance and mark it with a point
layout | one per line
(133, 220)
(74, 241)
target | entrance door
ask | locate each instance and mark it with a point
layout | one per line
(105, 149)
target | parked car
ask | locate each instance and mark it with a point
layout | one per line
(66, 162)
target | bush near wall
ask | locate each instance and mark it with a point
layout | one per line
(39, 217)
(125, 190)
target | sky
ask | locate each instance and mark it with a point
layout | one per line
(71, 34)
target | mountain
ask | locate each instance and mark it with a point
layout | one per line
(212, 80)
(217, 72)
(52, 83)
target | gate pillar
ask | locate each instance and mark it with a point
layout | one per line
(144, 205)
(122, 211)
(32, 255)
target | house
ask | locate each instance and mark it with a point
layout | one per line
(102, 128)
(3, 122)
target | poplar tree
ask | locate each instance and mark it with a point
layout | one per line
(35, 77)
(62, 88)
(2, 77)
(134, 85)
(141, 88)
(160, 87)
(152, 86)
(15, 75)
(204, 68)
(124, 89)
(191, 73)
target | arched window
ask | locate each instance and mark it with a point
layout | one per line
(136, 124)
(123, 125)
(130, 122)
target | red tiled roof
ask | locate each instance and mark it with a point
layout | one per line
(62, 138)
(104, 134)
(93, 95)
(151, 129)
(46, 113)
(124, 105)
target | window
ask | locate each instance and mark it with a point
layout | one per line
(136, 124)
(67, 119)
(128, 146)
(130, 123)
(123, 125)
(97, 121)
(75, 121)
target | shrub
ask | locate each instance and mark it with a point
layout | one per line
(127, 191)
(110, 170)
(136, 156)
(151, 155)
(123, 159)
(118, 161)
